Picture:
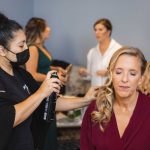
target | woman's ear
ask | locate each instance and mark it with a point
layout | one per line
(2, 50)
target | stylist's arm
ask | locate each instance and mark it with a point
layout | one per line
(26, 108)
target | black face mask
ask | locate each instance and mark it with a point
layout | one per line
(22, 57)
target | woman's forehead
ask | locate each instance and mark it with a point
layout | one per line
(128, 61)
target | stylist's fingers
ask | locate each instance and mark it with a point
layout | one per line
(93, 91)
(48, 76)
(55, 81)
(52, 83)
(62, 78)
(55, 87)
(63, 71)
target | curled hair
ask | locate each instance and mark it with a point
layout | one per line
(7, 29)
(33, 29)
(106, 96)
(105, 22)
(145, 85)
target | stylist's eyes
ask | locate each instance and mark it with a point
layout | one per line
(21, 46)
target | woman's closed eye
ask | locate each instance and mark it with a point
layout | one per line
(133, 73)
(118, 71)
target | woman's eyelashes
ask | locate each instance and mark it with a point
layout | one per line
(132, 73)
(118, 71)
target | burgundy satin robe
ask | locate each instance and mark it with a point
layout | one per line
(136, 135)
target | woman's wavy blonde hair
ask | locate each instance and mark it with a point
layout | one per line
(106, 96)
(145, 85)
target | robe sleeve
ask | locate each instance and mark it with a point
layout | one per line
(86, 130)
(7, 117)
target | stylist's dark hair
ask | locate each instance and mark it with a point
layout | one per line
(105, 22)
(7, 29)
(34, 28)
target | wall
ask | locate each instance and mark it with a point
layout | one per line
(20, 10)
(71, 22)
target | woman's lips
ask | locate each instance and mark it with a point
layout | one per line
(124, 87)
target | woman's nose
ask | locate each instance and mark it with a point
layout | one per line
(125, 77)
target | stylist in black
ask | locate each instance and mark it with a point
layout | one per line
(19, 93)
(21, 100)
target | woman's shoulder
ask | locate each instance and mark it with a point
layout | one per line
(115, 45)
(144, 101)
(33, 48)
(93, 51)
(2, 86)
(24, 72)
(3, 80)
(28, 78)
(144, 96)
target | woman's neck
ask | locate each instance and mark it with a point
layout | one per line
(103, 45)
(126, 103)
(39, 43)
(43, 49)
(6, 66)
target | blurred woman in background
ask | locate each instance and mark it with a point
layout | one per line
(98, 57)
(40, 62)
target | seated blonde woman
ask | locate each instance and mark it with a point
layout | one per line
(145, 86)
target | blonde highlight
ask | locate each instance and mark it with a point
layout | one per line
(144, 87)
